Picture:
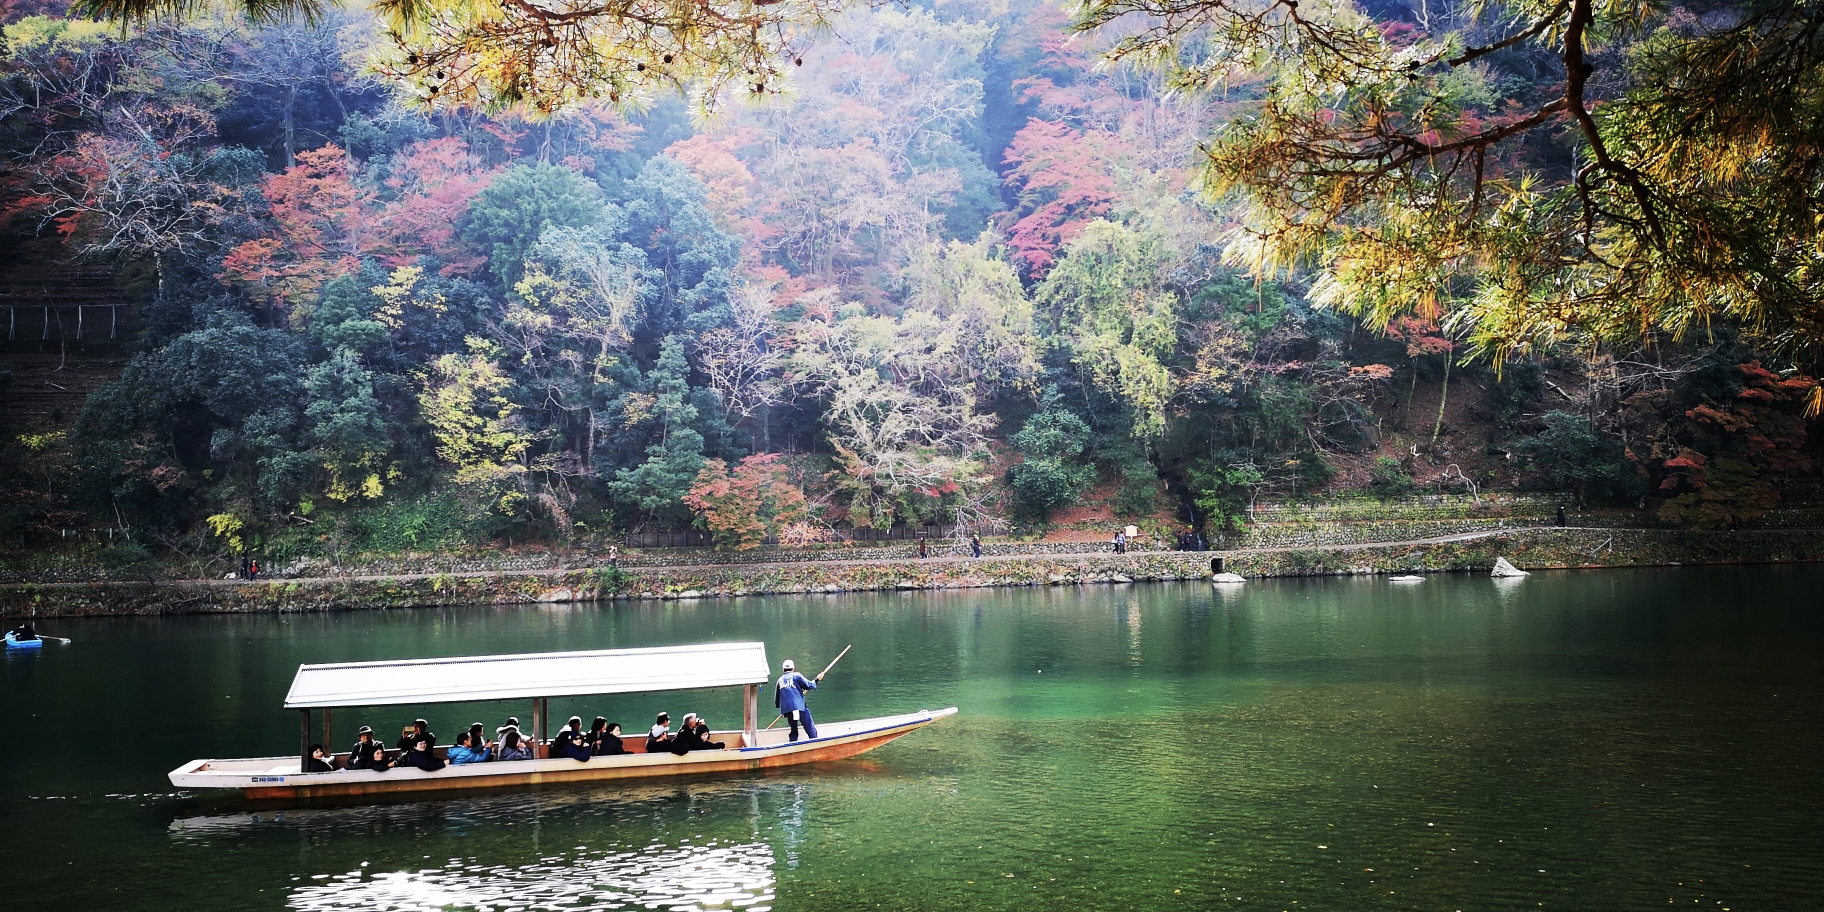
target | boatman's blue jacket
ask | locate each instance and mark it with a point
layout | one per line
(789, 694)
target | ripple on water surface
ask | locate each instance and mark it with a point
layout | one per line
(1576, 741)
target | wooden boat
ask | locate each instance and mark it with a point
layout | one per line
(1409, 578)
(13, 642)
(539, 676)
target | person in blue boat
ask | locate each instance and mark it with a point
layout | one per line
(24, 632)
(367, 754)
(788, 696)
(571, 742)
(418, 748)
(466, 752)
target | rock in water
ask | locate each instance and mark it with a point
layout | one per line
(1505, 570)
(1228, 578)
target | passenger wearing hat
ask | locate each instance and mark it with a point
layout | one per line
(367, 754)
(418, 748)
(788, 696)
(571, 742)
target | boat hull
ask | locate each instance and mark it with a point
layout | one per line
(267, 778)
(22, 644)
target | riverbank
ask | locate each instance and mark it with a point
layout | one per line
(1528, 548)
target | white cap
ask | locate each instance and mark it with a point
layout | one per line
(788, 666)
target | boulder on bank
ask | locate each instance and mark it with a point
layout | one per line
(1505, 570)
(1228, 578)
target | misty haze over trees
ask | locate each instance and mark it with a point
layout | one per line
(967, 263)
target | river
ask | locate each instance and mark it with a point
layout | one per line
(1595, 740)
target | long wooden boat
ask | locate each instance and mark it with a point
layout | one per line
(486, 678)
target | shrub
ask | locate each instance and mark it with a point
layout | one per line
(1388, 479)
(1571, 455)
(1050, 477)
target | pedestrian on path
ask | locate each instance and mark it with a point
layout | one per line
(921, 546)
(975, 544)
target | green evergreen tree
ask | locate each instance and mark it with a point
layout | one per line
(508, 217)
(657, 486)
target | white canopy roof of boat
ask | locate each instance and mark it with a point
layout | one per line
(540, 674)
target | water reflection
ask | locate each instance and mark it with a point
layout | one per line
(684, 877)
(729, 867)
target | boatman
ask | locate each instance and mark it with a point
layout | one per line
(788, 696)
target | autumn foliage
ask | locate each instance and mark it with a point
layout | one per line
(743, 507)
(1724, 473)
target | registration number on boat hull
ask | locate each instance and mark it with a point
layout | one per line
(269, 778)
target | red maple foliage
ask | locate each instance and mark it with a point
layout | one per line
(432, 184)
(741, 508)
(1063, 180)
(1723, 473)
(322, 222)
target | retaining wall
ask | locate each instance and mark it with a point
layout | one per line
(1527, 548)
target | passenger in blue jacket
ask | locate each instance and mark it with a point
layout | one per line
(466, 752)
(788, 696)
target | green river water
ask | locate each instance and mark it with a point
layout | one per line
(1591, 741)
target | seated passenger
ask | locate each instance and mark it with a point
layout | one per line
(367, 754)
(465, 751)
(605, 738)
(687, 738)
(25, 633)
(417, 748)
(511, 747)
(659, 737)
(477, 740)
(571, 742)
(703, 741)
(318, 764)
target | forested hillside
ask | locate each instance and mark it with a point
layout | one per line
(950, 265)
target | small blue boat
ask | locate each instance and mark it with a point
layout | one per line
(13, 642)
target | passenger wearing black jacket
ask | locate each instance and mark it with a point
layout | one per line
(367, 754)
(694, 736)
(317, 762)
(605, 739)
(571, 742)
(686, 740)
(703, 742)
(418, 748)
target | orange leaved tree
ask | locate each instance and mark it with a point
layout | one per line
(741, 508)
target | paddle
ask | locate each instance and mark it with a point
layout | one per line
(825, 671)
(64, 640)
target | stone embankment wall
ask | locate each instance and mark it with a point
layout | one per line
(1532, 549)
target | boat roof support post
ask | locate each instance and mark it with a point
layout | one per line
(304, 742)
(539, 709)
(329, 739)
(750, 715)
